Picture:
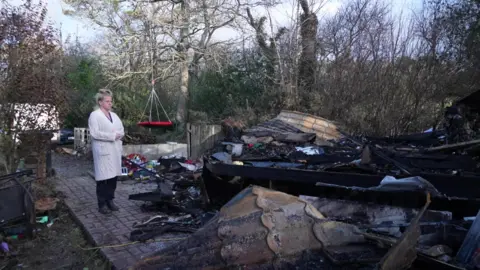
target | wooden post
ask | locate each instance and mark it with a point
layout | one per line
(189, 139)
(201, 137)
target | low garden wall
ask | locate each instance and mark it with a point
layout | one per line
(150, 151)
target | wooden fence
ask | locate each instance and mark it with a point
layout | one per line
(202, 137)
(81, 139)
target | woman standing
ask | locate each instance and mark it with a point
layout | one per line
(106, 132)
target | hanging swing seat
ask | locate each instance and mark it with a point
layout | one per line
(153, 102)
(155, 123)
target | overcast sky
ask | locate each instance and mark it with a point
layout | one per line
(281, 15)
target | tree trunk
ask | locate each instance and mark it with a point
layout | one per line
(308, 59)
(182, 107)
(41, 166)
(269, 51)
(34, 146)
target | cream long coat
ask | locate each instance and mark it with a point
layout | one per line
(107, 152)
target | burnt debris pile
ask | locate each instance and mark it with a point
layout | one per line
(296, 191)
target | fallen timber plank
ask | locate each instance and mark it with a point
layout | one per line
(302, 182)
(403, 253)
(422, 261)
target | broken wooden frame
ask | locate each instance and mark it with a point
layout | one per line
(460, 200)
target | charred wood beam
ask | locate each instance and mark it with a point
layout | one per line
(220, 190)
(410, 199)
(451, 147)
(377, 150)
(424, 139)
(296, 176)
(451, 185)
(400, 165)
(451, 163)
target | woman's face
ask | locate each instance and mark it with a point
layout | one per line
(106, 103)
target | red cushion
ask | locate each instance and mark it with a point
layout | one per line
(155, 124)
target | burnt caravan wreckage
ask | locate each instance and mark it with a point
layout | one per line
(388, 171)
(295, 192)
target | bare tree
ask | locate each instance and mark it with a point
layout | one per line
(375, 79)
(180, 33)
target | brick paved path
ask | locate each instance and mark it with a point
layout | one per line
(113, 229)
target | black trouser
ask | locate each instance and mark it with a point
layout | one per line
(106, 190)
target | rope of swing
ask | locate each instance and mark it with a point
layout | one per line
(153, 97)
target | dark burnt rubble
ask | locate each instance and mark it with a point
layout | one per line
(296, 191)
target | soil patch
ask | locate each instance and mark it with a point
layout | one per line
(62, 245)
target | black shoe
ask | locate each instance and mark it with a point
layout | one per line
(112, 206)
(104, 210)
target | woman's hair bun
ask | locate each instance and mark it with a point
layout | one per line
(105, 92)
